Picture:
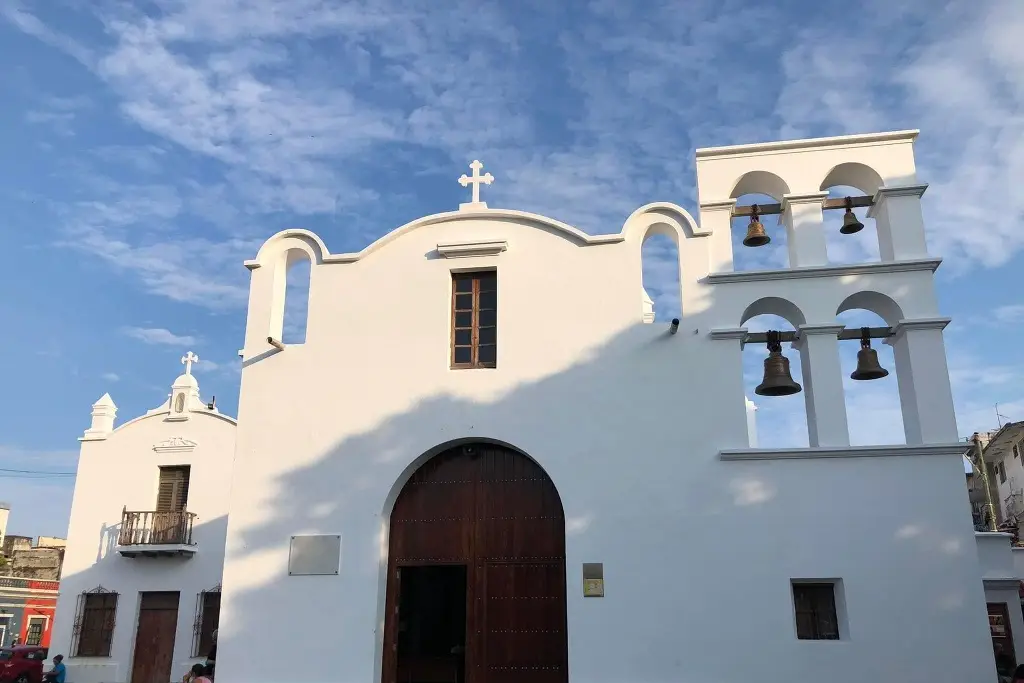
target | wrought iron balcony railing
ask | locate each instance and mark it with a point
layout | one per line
(156, 528)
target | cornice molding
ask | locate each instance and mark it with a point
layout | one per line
(790, 200)
(820, 453)
(175, 444)
(914, 265)
(472, 249)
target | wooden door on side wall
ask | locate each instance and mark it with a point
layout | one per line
(153, 657)
(496, 512)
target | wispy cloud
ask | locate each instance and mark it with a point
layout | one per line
(111, 376)
(972, 148)
(159, 336)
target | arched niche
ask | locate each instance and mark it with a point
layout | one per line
(780, 421)
(761, 188)
(475, 522)
(661, 273)
(871, 403)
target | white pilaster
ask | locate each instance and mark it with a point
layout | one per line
(823, 385)
(733, 414)
(103, 413)
(267, 287)
(805, 231)
(899, 222)
(716, 217)
(926, 397)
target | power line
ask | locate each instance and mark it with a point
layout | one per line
(44, 472)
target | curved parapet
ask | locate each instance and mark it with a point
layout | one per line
(289, 240)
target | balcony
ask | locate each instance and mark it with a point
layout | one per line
(156, 534)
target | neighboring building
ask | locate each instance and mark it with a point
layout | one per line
(35, 562)
(5, 514)
(140, 593)
(1003, 452)
(482, 463)
(28, 587)
(26, 610)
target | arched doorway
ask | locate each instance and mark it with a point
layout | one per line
(476, 572)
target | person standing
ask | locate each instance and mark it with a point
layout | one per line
(211, 657)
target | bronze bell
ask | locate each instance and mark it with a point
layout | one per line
(868, 366)
(850, 222)
(777, 380)
(756, 235)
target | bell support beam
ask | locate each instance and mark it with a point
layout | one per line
(844, 335)
(827, 205)
(823, 385)
(923, 378)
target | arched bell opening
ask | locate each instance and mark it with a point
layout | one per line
(851, 236)
(660, 266)
(296, 296)
(773, 374)
(759, 240)
(870, 380)
(476, 585)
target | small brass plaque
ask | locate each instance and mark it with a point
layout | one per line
(593, 588)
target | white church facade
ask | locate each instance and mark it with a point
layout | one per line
(487, 463)
(140, 588)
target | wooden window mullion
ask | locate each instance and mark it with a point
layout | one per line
(476, 322)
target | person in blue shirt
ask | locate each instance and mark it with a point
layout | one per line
(58, 672)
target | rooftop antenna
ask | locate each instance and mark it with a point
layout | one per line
(1000, 418)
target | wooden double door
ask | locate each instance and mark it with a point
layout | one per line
(476, 573)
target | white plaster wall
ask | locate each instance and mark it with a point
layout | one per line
(1018, 562)
(628, 421)
(123, 471)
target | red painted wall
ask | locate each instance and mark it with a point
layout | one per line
(41, 607)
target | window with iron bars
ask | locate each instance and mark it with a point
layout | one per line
(93, 630)
(816, 615)
(207, 617)
(34, 634)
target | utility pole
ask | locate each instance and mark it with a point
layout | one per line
(980, 462)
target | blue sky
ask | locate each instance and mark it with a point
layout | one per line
(150, 147)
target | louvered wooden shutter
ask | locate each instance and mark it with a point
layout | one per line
(172, 494)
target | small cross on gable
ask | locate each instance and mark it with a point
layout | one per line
(476, 180)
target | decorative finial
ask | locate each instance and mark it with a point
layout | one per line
(188, 359)
(475, 180)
